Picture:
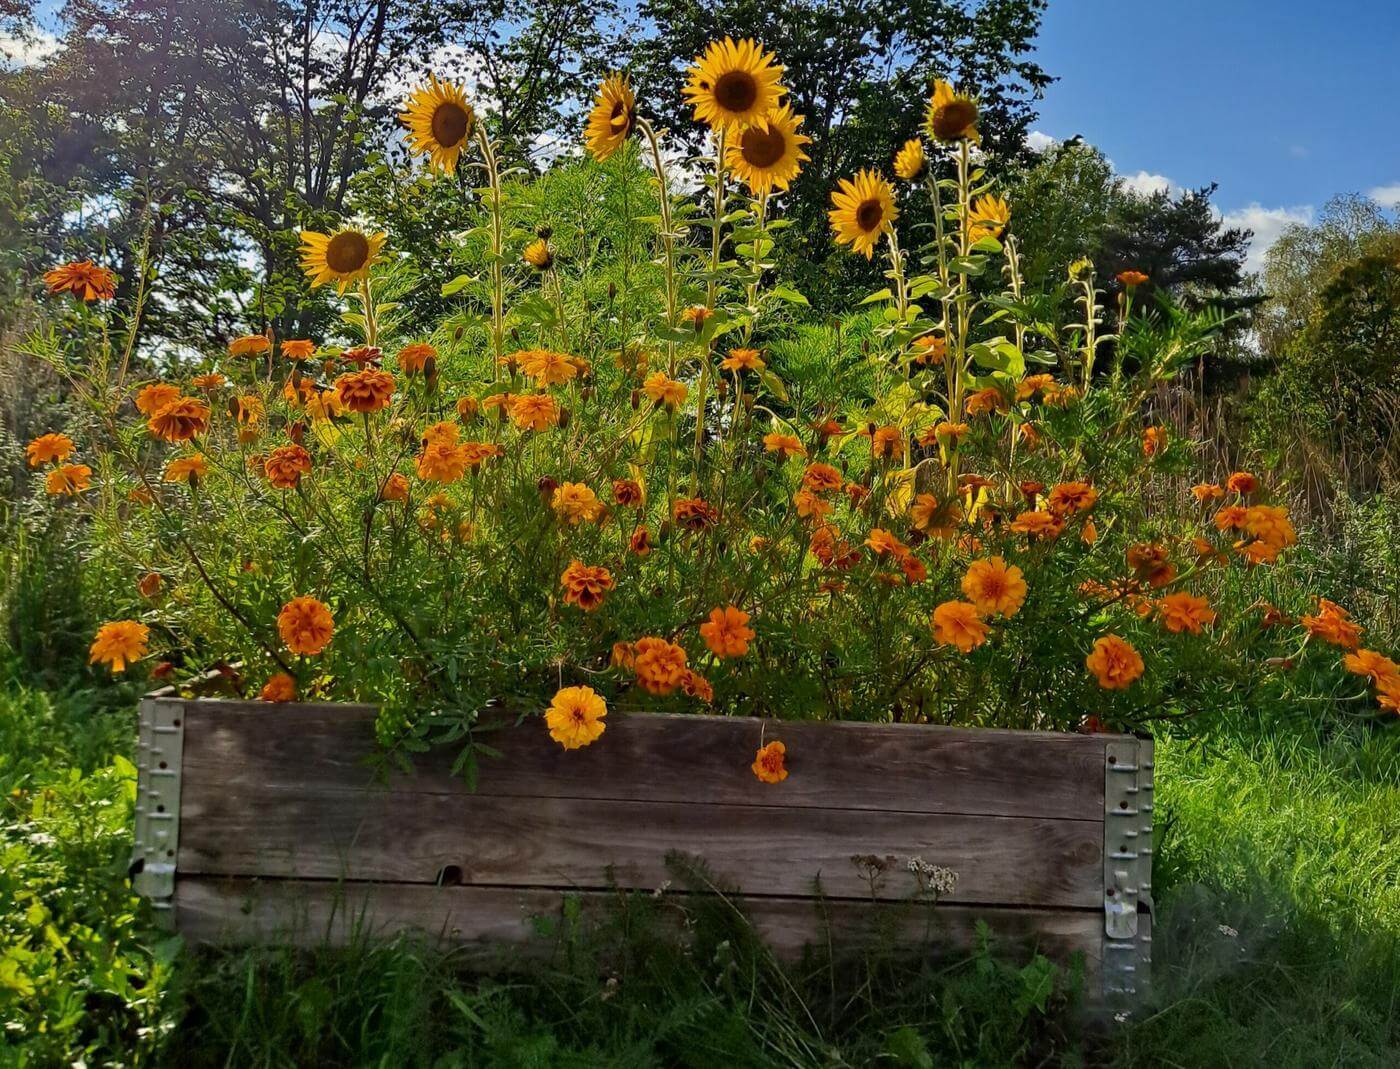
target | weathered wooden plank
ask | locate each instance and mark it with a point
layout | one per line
(495, 924)
(674, 758)
(559, 842)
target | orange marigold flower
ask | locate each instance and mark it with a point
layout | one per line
(627, 492)
(1376, 667)
(395, 488)
(1132, 279)
(467, 408)
(640, 542)
(885, 442)
(68, 480)
(742, 360)
(208, 383)
(821, 478)
(280, 687)
(119, 643)
(1242, 483)
(769, 763)
(624, 655)
(365, 391)
(984, 402)
(1066, 498)
(285, 466)
(727, 632)
(1231, 518)
(660, 666)
(1389, 698)
(443, 432)
(1037, 524)
(1333, 624)
(84, 279)
(306, 625)
(937, 519)
(1270, 524)
(298, 349)
(362, 355)
(913, 569)
(995, 587)
(930, 350)
(694, 685)
(956, 623)
(478, 453)
(1150, 563)
(1184, 612)
(249, 409)
(1114, 662)
(575, 503)
(1089, 534)
(664, 390)
(180, 420)
(575, 717)
(414, 358)
(951, 434)
(1154, 440)
(324, 406)
(150, 584)
(831, 551)
(696, 315)
(249, 345)
(810, 506)
(442, 462)
(187, 469)
(882, 542)
(585, 585)
(787, 445)
(1204, 492)
(152, 398)
(534, 411)
(1031, 385)
(545, 366)
(694, 513)
(49, 449)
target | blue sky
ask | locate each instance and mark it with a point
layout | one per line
(1285, 103)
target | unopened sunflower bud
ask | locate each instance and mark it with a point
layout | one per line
(612, 291)
(457, 334)
(636, 399)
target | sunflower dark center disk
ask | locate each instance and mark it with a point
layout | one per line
(347, 252)
(954, 118)
(450, 124)
(869, 215)
(736, 91)
(762, 148)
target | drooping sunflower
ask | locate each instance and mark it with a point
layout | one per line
(733, 84)
(909, 161)
(344, 257)
(439, 121)
(768, 154)
(863, 210)
(987, 218)
(951, 116)
(613, 116)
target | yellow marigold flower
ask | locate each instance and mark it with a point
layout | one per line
(538, 255)
(987, 218)
(575, 717)
(68, 480)
(414, 358)
(119, 643)
(344, 257)
(585, 585)
(734, 84)
(612, 117)
(306, 625)
(439, 122)
(664, 390)
(442, 462)
(1271, 525)
(298, 349)
(249, 345)
(1114, 662)
(995, 587)
(788, 445)
(576, 503)
(49, 449)
(727, 632)
(546, 367)
(951, 116)
(956, 623)
(280, 687)
(660, 665)
(910, 162)
(187, 469)
(742, 360)
(863, 211)
(366, 391)
(1185, 612)
(84, 279)
(769, 763)
(768, 154)
(285, 466)
(535, 411)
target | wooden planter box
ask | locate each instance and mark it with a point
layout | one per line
(257, 822)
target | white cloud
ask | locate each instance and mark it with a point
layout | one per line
(1040, 142)
(1267, 224)
(1146, 183)
(17, 52)
(1386, 196)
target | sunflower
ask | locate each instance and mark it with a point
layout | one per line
(613, 116)
(863, 209)
(909, 161)
(344, 257)
(987, 218)
(538, 255)
(768, 154)
(951, 116)
(439, 121)
(733, 84)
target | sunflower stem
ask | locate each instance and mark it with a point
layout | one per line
(493, 181)
(668, 238)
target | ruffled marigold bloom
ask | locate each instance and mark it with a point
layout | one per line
(575, 717)
(83, 279)
(441, 432)
(1378, 668)
(576, 503)
(1242, 483)
(344, 257)
(1031, 385)
(956, 623)
(640, 542)
(1333, 624)
(585, 585)
(298, 349)
(1271, 525)
(767, 155)
(694, 513)
(324, 406)
(250, 345)
(987, 218)
(1150, 564)
(1067, 498)
(119, 643)
(360, 355)
(1037, 524)
(366, 391)
(1131, 279)
(696, 316)
(1114, 662)
(280, 687)
(863, 211)
(534, 411)
(985, 401)
(742, 360)
(822, 478)
(769, 763)
(627, 492)
(624, 655)
(612, 117)
(660, 666)
(208, 383)
(885, 442)
(785, 445)
(727, 632)
(285, 466)
(1231, 518)
(151, 399)
(995, 587)
(930, 350)
(49, 449)
(909, 161)
(546, 367)
(950, 434)
(1204, 492)
(1184, 612)
(1154, 440)
(68, 480)
(414, 358)
(249, 409)
(467, 408)
(306, 625)
(915, 571)
(395, 488)
(935, 518)
(187, 469)
(694, 685)
(442, 462)
(882, 541)
(664, 390)
(439, 122)
(733, 85)
(810, 506)
(951, 116)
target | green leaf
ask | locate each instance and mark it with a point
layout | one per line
(885, 294)
(788, 294)
(458, 284)
(967, 265)
(774, 384)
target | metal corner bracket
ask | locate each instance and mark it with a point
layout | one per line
(1127, 869)
(159, 751)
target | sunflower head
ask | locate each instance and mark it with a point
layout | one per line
(909, 161)
(863, 210)
(613, 116)
(987, 217)
(539, 255)
(344, 257)
(951, 116)
(733, 85)
(768, 154)
(439, 122)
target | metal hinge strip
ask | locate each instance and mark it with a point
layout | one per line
(159, 752)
